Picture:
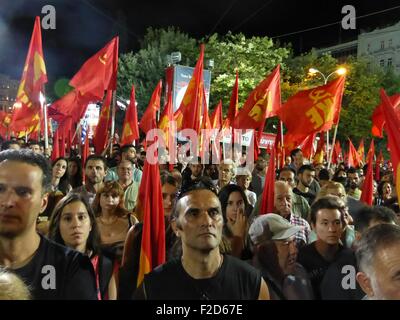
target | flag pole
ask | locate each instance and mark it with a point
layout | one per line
(333, 145)
(45, 132)
(113, 105)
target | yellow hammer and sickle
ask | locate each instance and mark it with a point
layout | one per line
(257, 112)
(103, 59)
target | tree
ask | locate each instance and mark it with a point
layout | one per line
(254, 58)
(146, 67)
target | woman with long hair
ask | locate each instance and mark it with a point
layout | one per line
(75, 174)
(59, 188)
(74, 225)
(236, 211)
(113, 219)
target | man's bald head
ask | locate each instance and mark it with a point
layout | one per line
(282, 198)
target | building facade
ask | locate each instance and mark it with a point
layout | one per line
(382, 46)
(8, 92)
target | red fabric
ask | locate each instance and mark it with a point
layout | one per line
(267, 202)
(191, 107)
(101, 133)
(353, 157)
(165, 119)
(33, 78)
(233, 105)
(378, 118)
(392, 128)
(321, 147)
(150, 210)
(98, 73)
(263, 102)
(130, 128)
(337, 153)
(313, 110)
(361, 150)
(216, 116)
(368, 185)
(148, 120)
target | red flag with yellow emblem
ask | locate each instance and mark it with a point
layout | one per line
(361, 151)
(313, 110)
(392, 128)
(130, 129)
(148, 120)
(189, 114)
(263, 102)
(150, 210)
(33, 78)
(98, 73)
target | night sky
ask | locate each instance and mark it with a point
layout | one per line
(84, 26)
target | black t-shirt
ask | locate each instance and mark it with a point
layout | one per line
(235, 280)
(315, 265)
(339, 282)
(58, 272)
(310, 196)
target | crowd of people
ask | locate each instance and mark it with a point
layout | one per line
(71, 231)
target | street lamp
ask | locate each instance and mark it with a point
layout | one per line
(340, 71)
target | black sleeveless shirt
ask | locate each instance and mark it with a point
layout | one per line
(235, 280)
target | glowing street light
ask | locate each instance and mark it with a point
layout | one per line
(340, 71)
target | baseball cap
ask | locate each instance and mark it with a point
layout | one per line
(271, 226)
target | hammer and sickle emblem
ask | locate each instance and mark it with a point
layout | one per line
(257, 112)
(103, 59)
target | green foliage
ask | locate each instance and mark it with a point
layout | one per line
(146, 67)
(253, 58)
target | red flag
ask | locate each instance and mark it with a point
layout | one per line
(263, 102)
(150, 210)
(337, 153)
(191, 108)
(361, 151)
(216, 116)
(56, 148)
(368, 184)
(303, 141)
(73, 104)
(166, 118)
(148, 120)
(33, 78)
(353, 158)
(130, 129)
(267, 202)
(378, 119)
(233, 105)
(101, 133)
(314, 110)
(98, 73)
(392, 129)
